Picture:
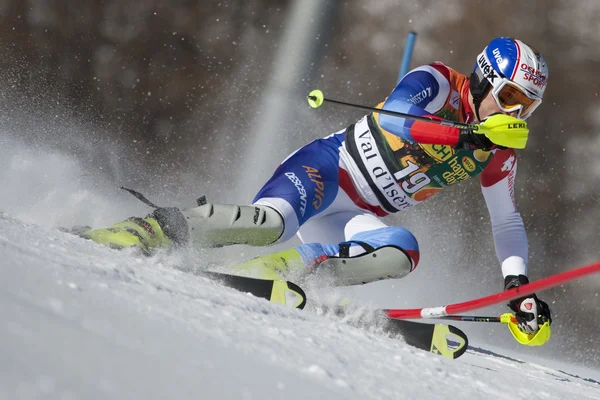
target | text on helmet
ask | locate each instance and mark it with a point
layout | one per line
(486, 68)
(533, 75)
(497, 56)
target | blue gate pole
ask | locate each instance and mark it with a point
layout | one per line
(406, 57)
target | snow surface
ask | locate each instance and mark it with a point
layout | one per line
(81, 321)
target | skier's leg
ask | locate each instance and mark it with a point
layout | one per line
(209, 225)
(368, 250)
(216, 225)
(371, 250)
(303, 186)
(384, 253)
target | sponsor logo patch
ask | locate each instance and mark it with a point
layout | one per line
(457, 174)
(378, 171)
(298, 183)
(315, 177)
(486, 67)
(439, 152)
(468, 164)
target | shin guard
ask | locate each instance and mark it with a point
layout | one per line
(217, 225)
(387, 262)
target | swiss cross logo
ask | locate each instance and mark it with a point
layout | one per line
(508, 164)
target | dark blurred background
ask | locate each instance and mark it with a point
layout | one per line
(177, 98)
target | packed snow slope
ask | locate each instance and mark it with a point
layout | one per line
(81, 321)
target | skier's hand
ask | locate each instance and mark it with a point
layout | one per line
(495, 131)
(470, 139)
(531, 312)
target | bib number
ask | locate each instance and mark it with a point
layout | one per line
(415, 182)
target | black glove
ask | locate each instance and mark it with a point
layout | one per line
(470, 140)
(530, 311)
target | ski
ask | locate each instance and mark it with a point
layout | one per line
(283, 292)
(277, 291)
(441, 339)
(445, 340)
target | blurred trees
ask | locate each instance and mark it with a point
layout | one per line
(142, 68)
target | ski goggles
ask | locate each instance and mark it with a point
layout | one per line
(510, 98)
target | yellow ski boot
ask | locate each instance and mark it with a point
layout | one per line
(145, 234)
(281, 266)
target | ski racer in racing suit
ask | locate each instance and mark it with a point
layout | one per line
(333, 191)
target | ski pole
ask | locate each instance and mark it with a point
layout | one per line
(316, 99)
(504, 318)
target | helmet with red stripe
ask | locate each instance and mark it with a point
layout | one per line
(515, 73)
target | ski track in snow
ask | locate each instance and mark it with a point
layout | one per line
(81, 321)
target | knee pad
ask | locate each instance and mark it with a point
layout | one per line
(217, 225)
(386, 262)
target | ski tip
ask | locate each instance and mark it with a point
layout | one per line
(449, 341)
(300, 292)
(288, 294)
(277, 291)
(441, 339)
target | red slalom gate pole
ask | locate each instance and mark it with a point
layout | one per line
(511, 294)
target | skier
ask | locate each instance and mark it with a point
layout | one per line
(333, 191)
